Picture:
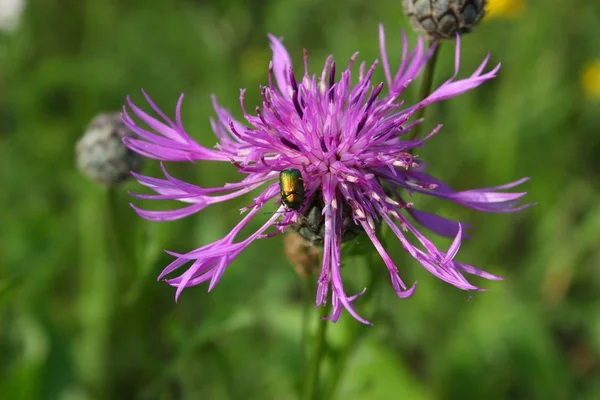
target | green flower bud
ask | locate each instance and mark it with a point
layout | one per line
(102, 156)
(443, 19)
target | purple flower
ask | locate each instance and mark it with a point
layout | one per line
(349, 140)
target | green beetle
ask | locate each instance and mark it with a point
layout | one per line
(292, 188)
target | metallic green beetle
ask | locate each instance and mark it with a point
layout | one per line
(292, 188)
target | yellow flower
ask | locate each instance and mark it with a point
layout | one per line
(504, 8)
(590, 79)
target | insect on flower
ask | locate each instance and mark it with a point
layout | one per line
(292, 188)
(335, 148)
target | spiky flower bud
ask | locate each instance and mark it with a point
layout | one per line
(443, 19)
(101, 154)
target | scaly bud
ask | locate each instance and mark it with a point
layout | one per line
(102, 156)
(443, 19)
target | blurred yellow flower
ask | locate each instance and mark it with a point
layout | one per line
(590, 79)
(504, 8)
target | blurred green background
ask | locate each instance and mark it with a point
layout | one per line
(78, 323)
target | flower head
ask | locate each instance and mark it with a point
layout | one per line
(348, 139)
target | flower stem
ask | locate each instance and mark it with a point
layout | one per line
(312, 379)
(308, 305)
(357, 330)
(119, 238)
(425, 88)
(96, 293)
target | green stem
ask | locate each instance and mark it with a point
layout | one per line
(225, 369)
(308, 305)
(425, 89)
(119, 238)
(101, 261)
(312, 379)
(357, 330)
